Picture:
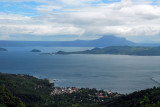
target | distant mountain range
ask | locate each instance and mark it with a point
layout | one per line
(104, 41)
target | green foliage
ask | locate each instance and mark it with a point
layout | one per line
(7, 99)
(24, 90)
(143, 98)
(31, 90)
(120, 50)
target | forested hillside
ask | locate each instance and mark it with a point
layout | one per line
(27, 91)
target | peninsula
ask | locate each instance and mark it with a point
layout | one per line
(120, 50)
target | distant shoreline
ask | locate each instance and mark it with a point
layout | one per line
(119, 50)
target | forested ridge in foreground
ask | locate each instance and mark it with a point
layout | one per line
(27, 91)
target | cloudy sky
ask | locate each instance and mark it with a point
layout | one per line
(50, 20)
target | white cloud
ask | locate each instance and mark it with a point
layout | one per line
(79, 17)
(39, 30)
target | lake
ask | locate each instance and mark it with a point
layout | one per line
(120, 73)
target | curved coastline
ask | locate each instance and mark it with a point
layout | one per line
(156, 79)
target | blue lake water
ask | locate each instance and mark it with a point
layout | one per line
(120, 73)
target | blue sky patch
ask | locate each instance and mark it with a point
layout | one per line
(21, 8)
(110, 1)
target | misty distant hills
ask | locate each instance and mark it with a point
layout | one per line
(101, 42)
(104, 41)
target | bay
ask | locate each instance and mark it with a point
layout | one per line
(119, 73)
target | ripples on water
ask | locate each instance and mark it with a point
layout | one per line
(121, 73)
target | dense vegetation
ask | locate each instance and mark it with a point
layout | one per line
(31, 90)
(121, 50)
(7, 99)
(28, 91)
(143, 98)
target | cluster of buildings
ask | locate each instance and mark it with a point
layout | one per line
(101, 95)
(107, 94)
(64, 90)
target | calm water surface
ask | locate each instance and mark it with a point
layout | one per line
(120, 73)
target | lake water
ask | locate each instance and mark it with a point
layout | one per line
(120, 73)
